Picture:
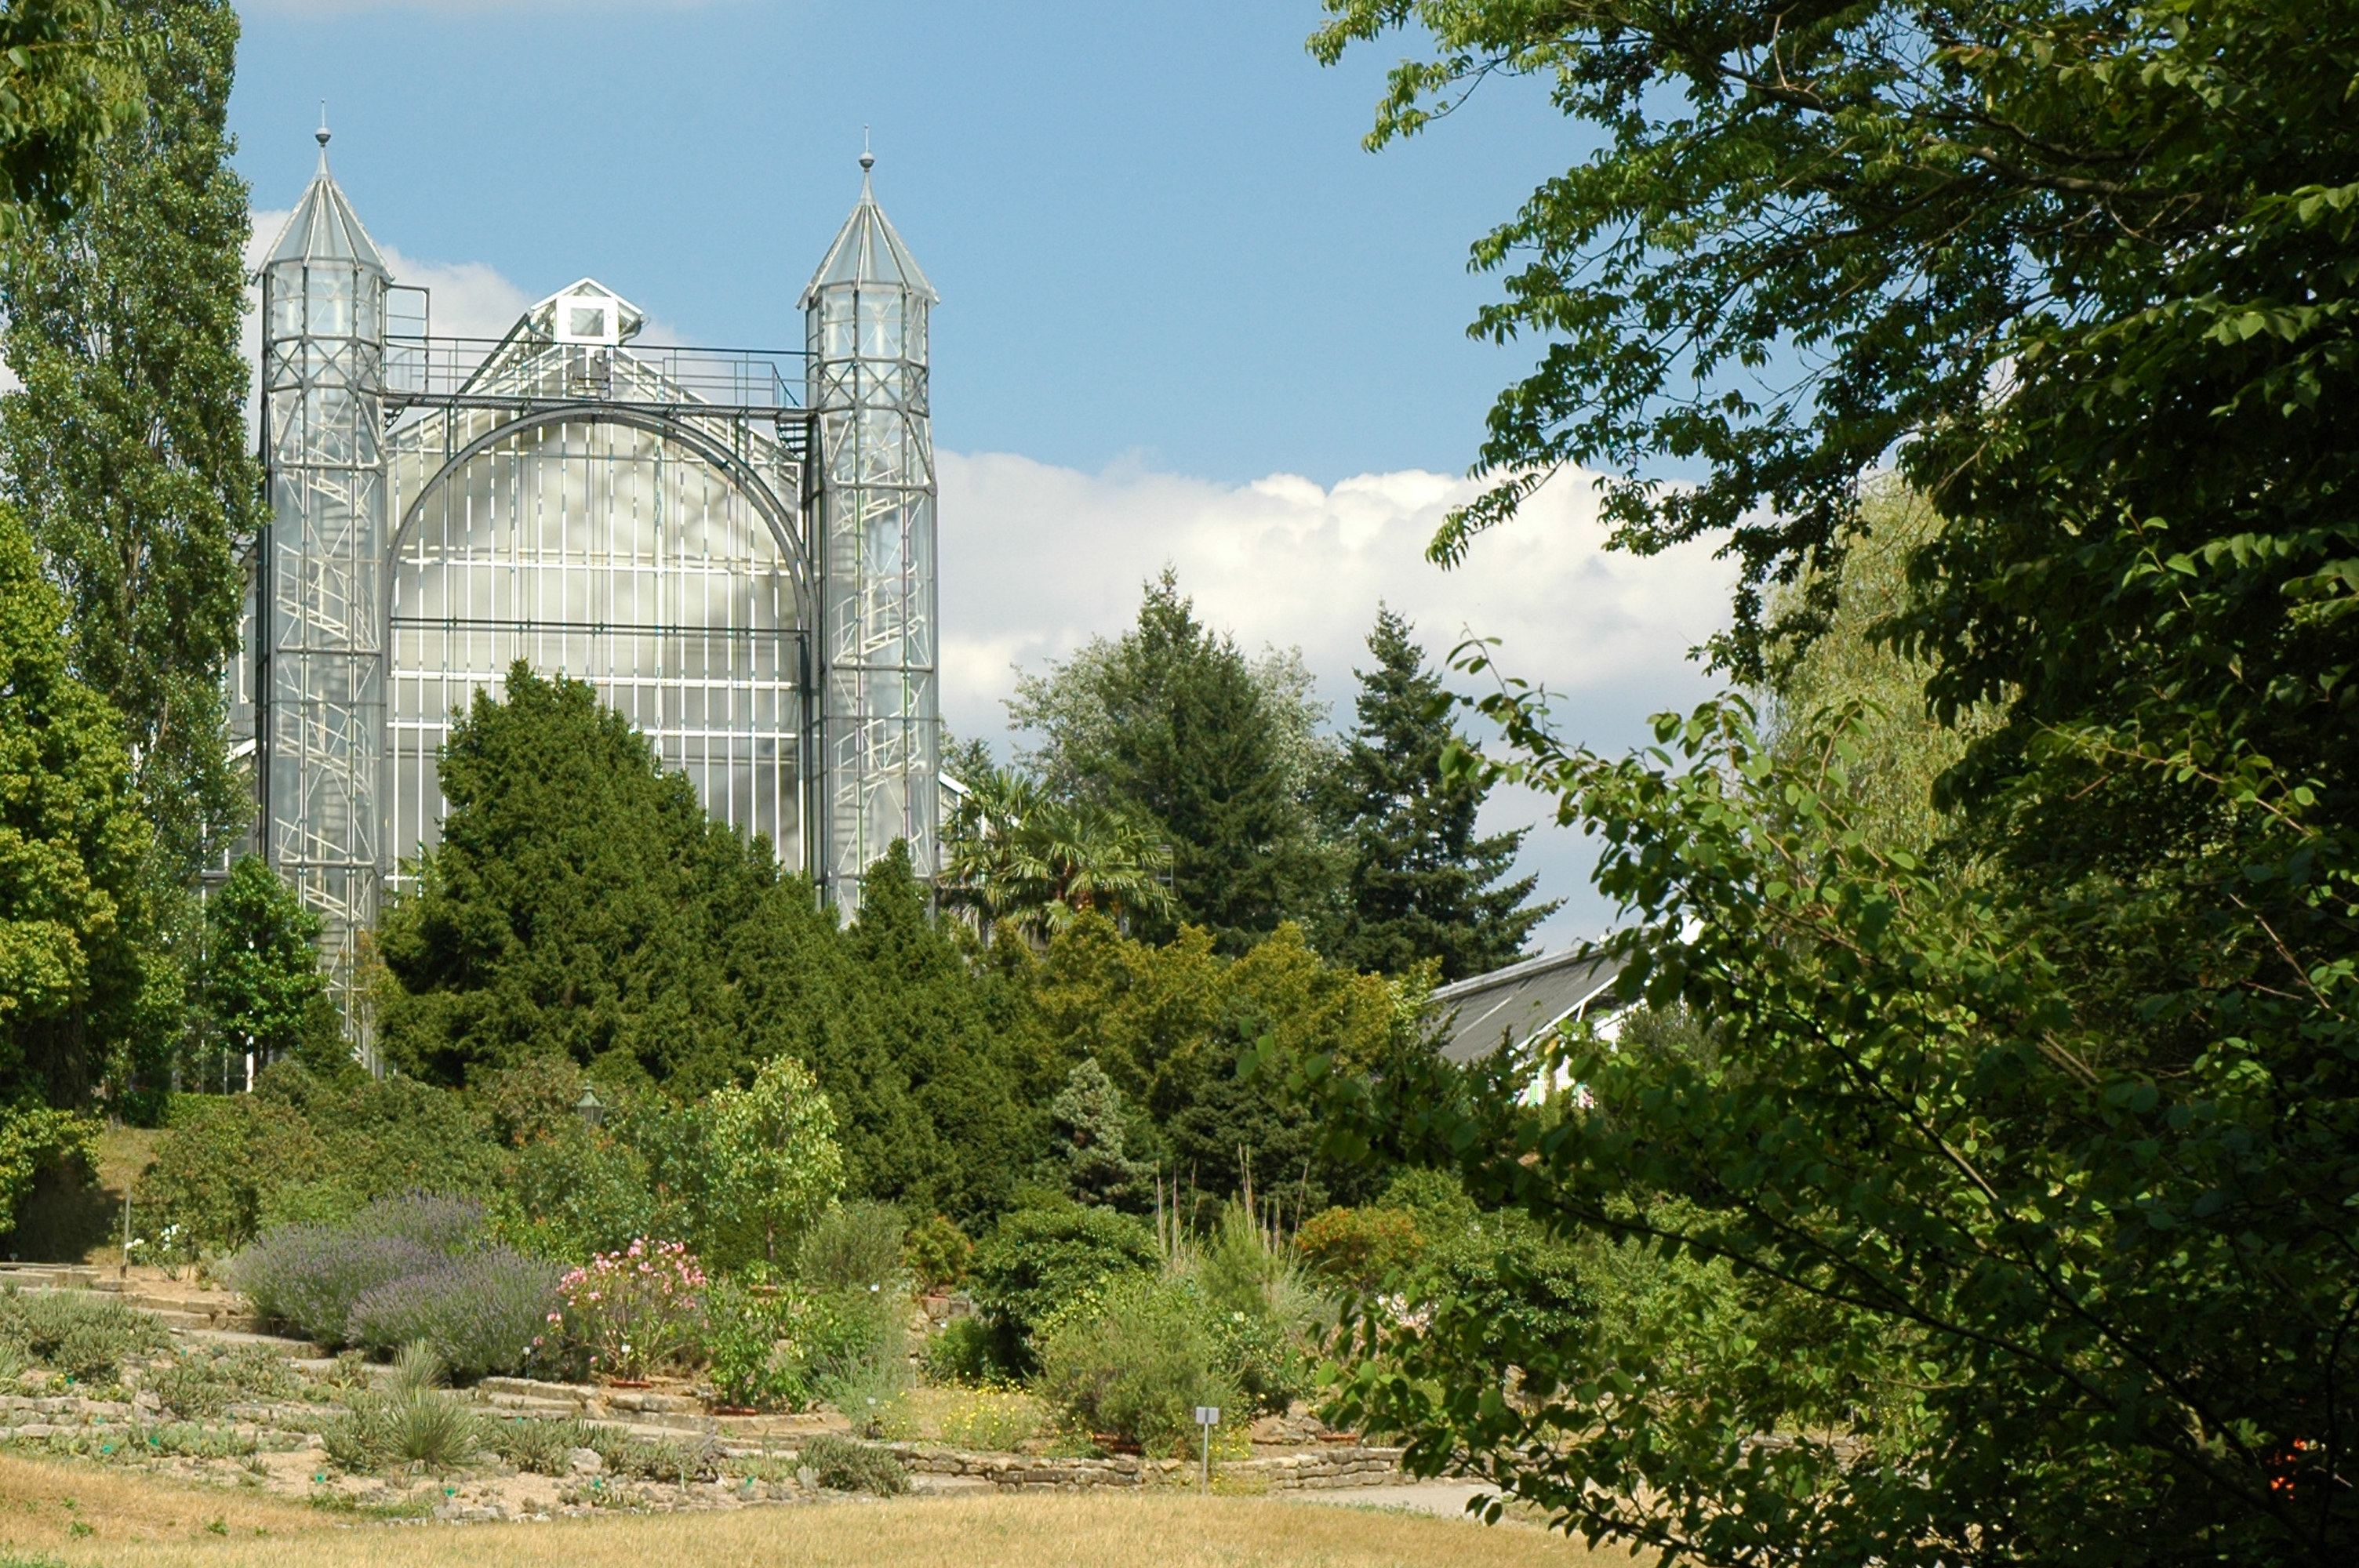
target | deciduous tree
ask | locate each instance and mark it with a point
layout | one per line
(126, 443)
(2042, 1099)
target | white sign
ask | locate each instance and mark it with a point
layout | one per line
(1208, 1415)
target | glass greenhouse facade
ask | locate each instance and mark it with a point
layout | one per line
(735, 547)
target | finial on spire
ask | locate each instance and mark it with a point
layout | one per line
(322, 135)
(868, 159)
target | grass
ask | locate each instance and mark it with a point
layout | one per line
(90, 1519)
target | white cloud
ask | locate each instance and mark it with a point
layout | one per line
(1036, 559)
(470, 299)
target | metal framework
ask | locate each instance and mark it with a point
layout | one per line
(736, 547)
(865, 313)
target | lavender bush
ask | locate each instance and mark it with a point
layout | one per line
(308, 1277)
(480, 1312)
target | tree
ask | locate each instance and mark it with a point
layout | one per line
(960, 1041)
(1028, 862)
(580, 904)
(1422, 884)
(84, 998)
(775, 1153)
(2045, 1101)
(1172, 726)
(67, 83)
(1174, 1026)
(258, 978)
(126, 444)
(1090, 1123)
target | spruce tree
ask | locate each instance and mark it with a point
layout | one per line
(125, 445)
(1172, 726)
(1423, 884)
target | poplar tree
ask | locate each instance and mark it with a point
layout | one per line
(82, 1000)
(126, 446)
(1423, 884)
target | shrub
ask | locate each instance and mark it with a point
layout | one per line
(971, 1352)
(82, 1334)
(853, 1247)
(1359, 1249)
(855, 1337)
(758, 1344)
(441, 1223)
(578, 1193)
(631, 1309)
(411, 1419)
(1515, 1284)
(1038, 1259)
(482, 1311)
(219, 1159)
(542, 1447)
(936, 1254)
(309, 1277)
(1135, 1362)
(849, 1466)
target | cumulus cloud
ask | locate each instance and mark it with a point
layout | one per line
(1036, 559)
(471, 300)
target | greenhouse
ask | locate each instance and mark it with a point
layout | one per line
(736, 547)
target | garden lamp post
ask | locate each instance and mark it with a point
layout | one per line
(592, 1108)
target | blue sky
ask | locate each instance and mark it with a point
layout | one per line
(1155, 230)
(1185, 317)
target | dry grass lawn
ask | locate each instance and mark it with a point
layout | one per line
(132, 1521)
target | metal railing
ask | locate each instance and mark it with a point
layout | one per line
(427, 369)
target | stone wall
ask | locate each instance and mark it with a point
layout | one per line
(1330, 1470)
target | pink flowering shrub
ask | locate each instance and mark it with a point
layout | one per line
(631, 1311)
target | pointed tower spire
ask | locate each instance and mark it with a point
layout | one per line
(323, 227)
(866, 321)
(868, 250)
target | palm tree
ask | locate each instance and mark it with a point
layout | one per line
(1019, 856)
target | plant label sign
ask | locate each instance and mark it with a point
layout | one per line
(1208, 1415)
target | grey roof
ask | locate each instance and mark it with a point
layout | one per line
(867, 251)
(324, 228)
(1513, 1004)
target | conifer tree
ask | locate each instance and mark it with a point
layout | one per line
(125, 445)
(1172, 724)
(1423, 884)
(1088, 1120)
(579, 904)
